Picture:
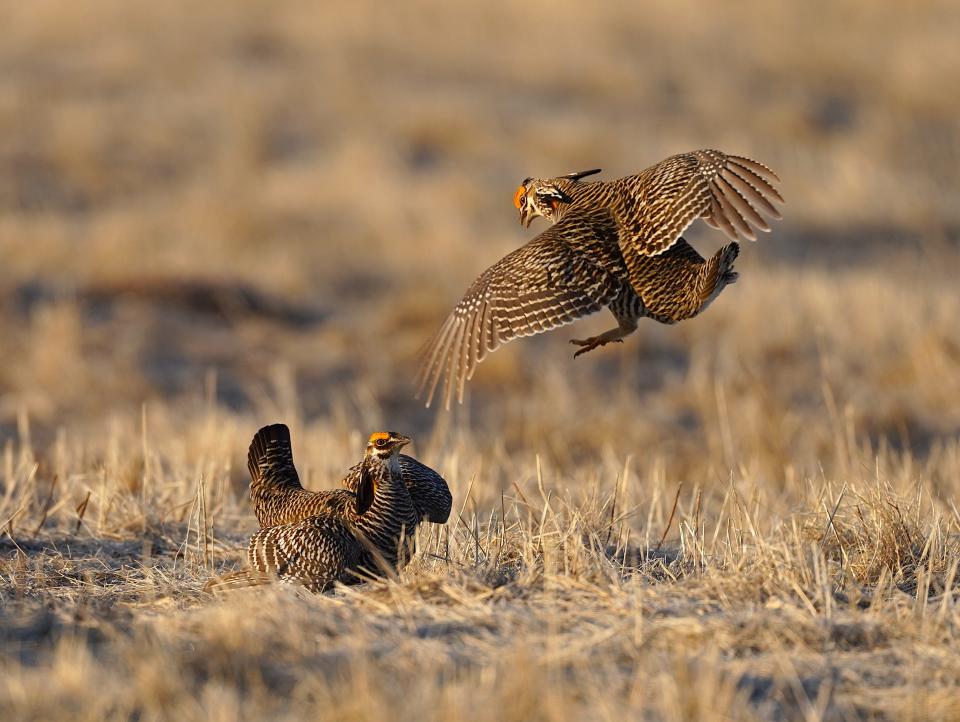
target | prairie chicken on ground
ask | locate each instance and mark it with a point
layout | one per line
(428, 490)
(357, 535)
(279, 498)
(614, 244)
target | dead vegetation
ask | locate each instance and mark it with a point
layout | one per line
(214, 216)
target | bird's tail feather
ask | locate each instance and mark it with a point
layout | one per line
(270, 441)
(719, 273)
(243, 579)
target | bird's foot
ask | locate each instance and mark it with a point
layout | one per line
(591, 343)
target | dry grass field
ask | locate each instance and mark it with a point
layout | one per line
(222, 214)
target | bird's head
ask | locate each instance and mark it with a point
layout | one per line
(538, 197)
(384, 444)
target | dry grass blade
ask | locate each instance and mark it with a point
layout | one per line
(81, 511)
(673, 510)
(220, 216)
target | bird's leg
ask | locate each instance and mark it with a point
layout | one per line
(614, 335)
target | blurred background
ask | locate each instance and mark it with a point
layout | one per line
(264, 209)
(216, 215)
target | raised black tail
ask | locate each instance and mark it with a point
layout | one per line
(270, 458)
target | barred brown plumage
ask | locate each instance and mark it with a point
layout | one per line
(615, 244)
(279, 498)
(275, 490)
(361, 534)
(428, 490)
(315, 552)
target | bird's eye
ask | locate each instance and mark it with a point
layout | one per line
(520, 197)
(381, 443)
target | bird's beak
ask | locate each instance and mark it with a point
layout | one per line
(526, 217)
(402, 440)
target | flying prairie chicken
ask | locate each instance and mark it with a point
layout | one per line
(615, 244)
(354, 536)
(279, 498)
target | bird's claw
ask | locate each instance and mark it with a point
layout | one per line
(591, 343)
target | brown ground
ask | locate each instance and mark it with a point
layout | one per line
(222, 214)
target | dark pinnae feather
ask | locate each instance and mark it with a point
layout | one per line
(581, 174)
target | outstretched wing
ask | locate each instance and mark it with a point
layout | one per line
(428, 490)
(555, 279)
(729, 192)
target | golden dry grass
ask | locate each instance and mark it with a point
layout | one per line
(219, 215)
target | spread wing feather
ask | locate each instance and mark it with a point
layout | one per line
(729, 192)
(551, 281)
(428, 490)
